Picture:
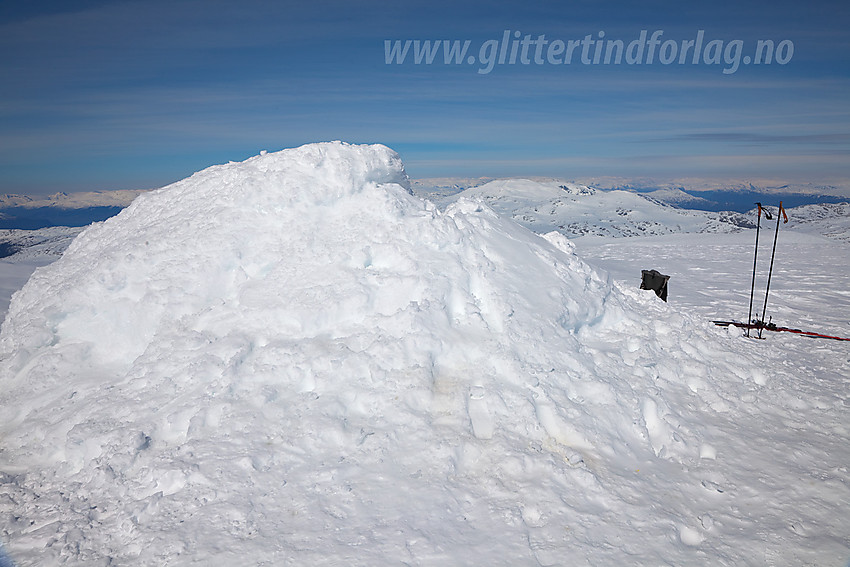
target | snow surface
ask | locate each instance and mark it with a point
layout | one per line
(293, 361)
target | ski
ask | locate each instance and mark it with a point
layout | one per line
(772, 327)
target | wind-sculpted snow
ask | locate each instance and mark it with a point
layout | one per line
(293, 361)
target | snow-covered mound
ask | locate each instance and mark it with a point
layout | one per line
(292, 360)
(578, 210)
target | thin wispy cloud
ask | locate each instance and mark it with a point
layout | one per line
(759, 139)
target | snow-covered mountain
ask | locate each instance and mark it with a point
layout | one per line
(62, 209)
(435, 188)
(831, 220)
(577, 210)
(677, 197)
(48, 242)
(700, 185)
(78, 200)
(293, 360)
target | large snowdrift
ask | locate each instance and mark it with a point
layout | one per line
(293, 361)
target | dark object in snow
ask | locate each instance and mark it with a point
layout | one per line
(656, 281)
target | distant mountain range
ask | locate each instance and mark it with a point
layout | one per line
(702, 187)
(62, 209)
(698, 194)
(540, 204)
(87, 199)
(578, 210)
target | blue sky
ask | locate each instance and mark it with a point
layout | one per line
(103, 94)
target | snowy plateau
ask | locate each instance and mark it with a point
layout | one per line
(294, 360)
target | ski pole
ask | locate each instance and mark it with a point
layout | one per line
(772, 255)
(755, 257)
